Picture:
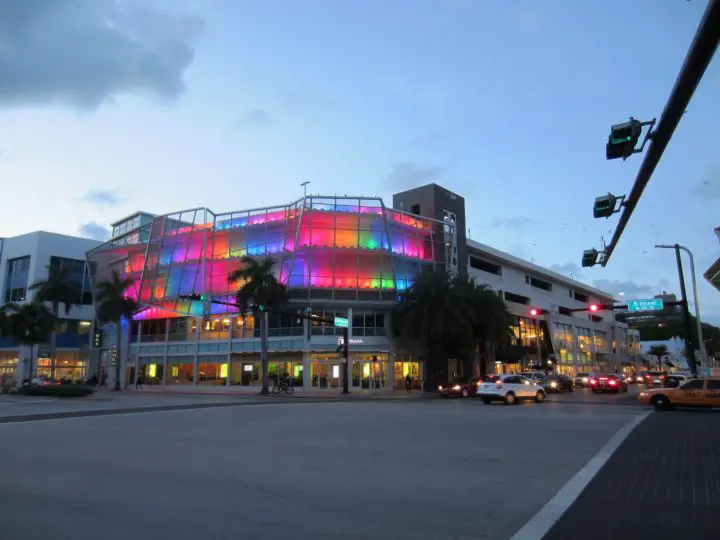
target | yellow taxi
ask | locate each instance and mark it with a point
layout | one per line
(694, 393)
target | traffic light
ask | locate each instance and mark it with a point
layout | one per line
(193, 296)
(594, 307)
(604, 206)
(623, 139)
(590, 258)
(600, 307)
(535, 312)
(259, 307)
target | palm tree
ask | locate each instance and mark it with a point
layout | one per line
(659, 351)
(57, 289)
(441, 314)
(29, 324)
(492, 320)
(259, 286)
(112, 306)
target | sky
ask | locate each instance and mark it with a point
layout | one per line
(108, 107)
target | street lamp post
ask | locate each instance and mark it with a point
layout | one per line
(701, 342)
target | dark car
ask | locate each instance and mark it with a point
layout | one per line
(464, 389)
(558, 383)
(608, 383)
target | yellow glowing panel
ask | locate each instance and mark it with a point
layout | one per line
(152, 370)
(366, 370)
(223, 370)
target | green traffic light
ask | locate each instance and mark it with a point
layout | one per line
(261, 307)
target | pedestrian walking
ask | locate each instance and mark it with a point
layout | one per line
(139, 382)
(408, 383)
(103, 380)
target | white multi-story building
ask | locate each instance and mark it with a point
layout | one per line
(557, 309)
(24, 260)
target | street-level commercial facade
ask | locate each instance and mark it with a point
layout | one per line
(573, 338)
(339, 256)
(24, 260)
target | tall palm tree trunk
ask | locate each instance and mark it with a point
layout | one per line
(264, 354)
(118, 356)
(53, 341)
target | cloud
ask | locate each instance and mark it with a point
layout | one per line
(511, 223)
(567, 268)
(407, 175)
(254, 118)
(710, 187)
(94, 230)
(631, 288)
(102, 197)
(85, 52)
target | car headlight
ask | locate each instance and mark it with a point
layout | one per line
(585, 379)
(553, 384)
(456, 387)
(440, 387)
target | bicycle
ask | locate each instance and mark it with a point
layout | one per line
(288, 388)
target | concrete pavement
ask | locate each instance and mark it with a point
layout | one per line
(426, 469)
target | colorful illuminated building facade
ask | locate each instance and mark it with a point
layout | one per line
(345, 256)
(338, 256)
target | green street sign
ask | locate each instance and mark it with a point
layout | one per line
(342, 322)
(647, 304)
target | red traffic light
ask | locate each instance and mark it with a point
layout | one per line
(594, 307)
(534, 312)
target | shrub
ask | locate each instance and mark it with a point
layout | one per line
(57, 390)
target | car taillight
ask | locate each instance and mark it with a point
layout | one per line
(498, 383)
(593, 381)
(613, 382)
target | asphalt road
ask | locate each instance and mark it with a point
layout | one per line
(432, 469)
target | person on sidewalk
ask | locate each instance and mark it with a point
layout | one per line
(139, 382)
(408, 383)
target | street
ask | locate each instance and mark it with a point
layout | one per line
(430, 469)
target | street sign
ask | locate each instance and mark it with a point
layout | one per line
(342, 322)
(647, 304)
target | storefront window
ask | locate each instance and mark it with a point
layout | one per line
(402, 370)
(212, 369)
(8, 362)
(243, 327)
(180, 369)
(151, 369)
(215, 329)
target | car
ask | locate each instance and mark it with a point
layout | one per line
(673, 380)
(460, 389)
(510, 389)
(653, 378)
(558, 383)
(607, 383)
(582, 379)
(693, 393)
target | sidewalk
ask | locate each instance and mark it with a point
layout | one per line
(315, 393)
(663, 482)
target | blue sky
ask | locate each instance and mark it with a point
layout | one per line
(232, 104)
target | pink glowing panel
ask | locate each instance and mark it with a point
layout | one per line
(154, 313)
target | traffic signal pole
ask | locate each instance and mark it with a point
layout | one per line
(696, 62)
(346, 356)
(689, 349)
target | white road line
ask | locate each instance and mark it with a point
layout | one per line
(540, 523)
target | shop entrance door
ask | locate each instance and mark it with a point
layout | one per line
(326, 374)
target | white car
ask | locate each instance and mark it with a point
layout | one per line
(510, 389)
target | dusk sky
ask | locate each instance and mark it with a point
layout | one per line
(110, 107)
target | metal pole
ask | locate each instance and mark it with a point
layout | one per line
(696, 62)
(701, 342)
(346, 368)
(689, 350)
(537, 338)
